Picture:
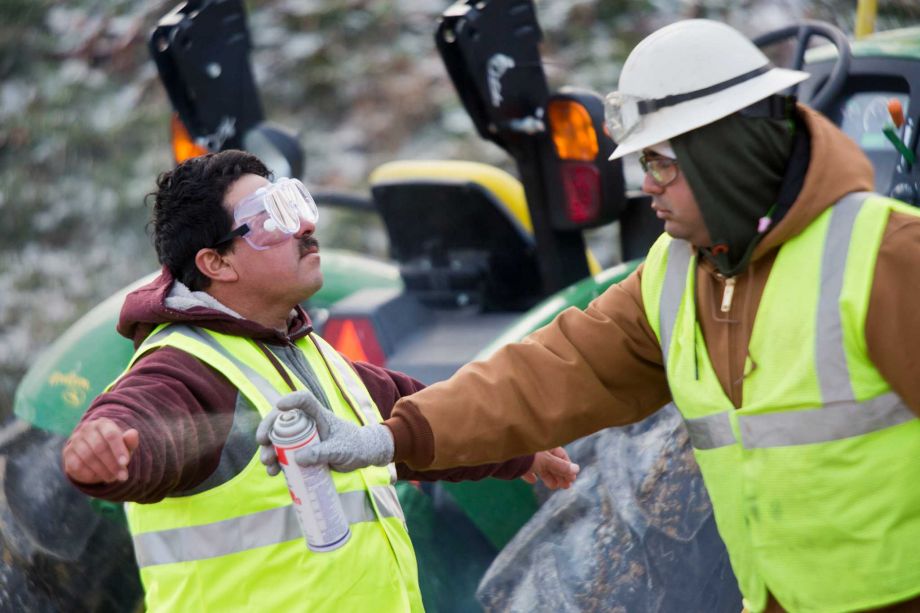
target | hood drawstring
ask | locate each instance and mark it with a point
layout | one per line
(696, 343)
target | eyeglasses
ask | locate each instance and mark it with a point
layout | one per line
(272, 214)
(662, 170)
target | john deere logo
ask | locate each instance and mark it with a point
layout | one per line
(75, 387)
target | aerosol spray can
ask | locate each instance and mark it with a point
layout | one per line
(316, 503)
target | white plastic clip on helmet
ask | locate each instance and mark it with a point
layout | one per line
(686, 75)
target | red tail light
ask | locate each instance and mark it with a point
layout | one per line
(356, 339)
(582, 182)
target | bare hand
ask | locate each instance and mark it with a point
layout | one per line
(99, 451)
(553, 468)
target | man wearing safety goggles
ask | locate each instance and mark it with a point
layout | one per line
(272, 214)
(221, 335)
(777, 312)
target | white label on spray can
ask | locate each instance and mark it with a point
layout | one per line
(316, 502)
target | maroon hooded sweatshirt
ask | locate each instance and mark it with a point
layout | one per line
(183, 409)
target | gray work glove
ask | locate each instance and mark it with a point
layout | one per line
(344, 446)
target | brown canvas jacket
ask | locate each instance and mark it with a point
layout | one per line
(601, 367)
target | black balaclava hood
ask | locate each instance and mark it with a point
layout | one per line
(735, 167)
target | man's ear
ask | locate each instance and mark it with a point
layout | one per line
(215, 266)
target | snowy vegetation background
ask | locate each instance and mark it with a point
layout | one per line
(84, 121)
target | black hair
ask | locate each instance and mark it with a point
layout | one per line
(189, 212)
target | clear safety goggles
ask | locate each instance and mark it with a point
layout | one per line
(272, 214)
(623, 112)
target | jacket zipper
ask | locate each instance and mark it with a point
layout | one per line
(728, 295)
(728, 292)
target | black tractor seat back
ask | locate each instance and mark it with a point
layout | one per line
(460, 232)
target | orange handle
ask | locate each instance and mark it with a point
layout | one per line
(896, 111)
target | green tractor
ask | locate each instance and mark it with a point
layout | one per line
(479, 258)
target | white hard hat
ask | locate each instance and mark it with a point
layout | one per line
(686, 75)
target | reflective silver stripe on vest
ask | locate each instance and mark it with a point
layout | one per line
(841, 416)
(265, 388)
(341, 370)
(830, 357)
(831, 423)
(388, 502)
(348, 379)
(675, 281)
(710, 431)
(238, 534)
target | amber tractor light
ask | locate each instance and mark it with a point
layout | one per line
(573, 131)
(184, 148)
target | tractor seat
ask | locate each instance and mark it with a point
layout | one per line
(460, 232)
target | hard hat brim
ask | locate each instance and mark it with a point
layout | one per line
(672, 121)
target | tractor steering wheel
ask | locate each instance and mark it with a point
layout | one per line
(803, 31)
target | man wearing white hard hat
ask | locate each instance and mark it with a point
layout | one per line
(777, 312)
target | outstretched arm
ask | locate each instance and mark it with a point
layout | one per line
(585, 371)
(345, 446)
(386, 387)
(181, 412)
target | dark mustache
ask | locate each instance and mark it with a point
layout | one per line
(306, 243)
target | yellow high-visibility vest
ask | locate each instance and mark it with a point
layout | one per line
(814, 479)
(238, 547)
